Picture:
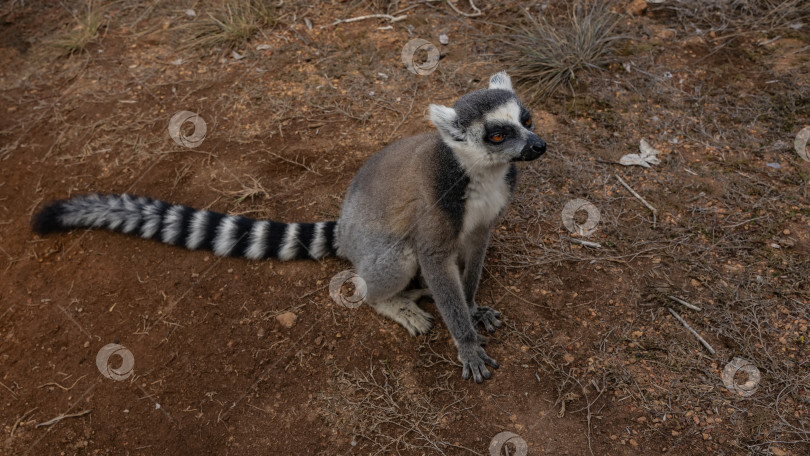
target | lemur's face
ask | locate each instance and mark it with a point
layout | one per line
(489, 127)
(506, 133)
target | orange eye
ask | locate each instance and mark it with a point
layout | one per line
(527, 123)
(496, 137)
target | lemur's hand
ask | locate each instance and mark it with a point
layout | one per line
(486, 316)
(475, 361)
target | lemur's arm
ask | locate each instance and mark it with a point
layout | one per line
(473, 264)
(442, 275)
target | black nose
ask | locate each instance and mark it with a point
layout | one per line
(534, 148)
(539, 146)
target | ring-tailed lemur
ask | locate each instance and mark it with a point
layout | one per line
(424, 203)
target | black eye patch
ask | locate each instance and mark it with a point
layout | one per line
(525, 118)
(505, 129)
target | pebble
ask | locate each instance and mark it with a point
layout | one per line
(287, 319)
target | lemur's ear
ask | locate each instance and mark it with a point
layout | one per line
(501, 80)
(446, 120)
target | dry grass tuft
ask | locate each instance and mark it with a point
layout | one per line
(231, 25)
(549, 56)
(379, 407)
(726, 19)
(87, 25)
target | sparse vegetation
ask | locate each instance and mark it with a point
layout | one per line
(86, 25)
(721, 20)
(230, 25)
(592, 362)
(549, 54)
(380, 410)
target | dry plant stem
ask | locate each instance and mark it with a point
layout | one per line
(9, 390)
(368, 16)
(594, 245)
(649, 206)
(684, 303)
(62, 387)
(694, 333)
(21, 419)
(475, 8)
(62, 417)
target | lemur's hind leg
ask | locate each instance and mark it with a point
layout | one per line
(416, 294)
(386, 277)
(405, 312)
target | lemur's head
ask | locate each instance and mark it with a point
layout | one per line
(489, 126)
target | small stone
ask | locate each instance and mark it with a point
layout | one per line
(287, 319)
(636, 7)
(443, 39)
(633, 442)
(191, 13)
(569, 358)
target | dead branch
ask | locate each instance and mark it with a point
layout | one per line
(694, 333)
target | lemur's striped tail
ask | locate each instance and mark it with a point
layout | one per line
(225, 235)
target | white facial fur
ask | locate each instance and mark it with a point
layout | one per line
(476, 152)
(444, 119)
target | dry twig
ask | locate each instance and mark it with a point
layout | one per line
(684, 303)
(63, 416)
(649, 206)
(694, 333)
(368, 16)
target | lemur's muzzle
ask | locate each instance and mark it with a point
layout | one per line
(534, 148)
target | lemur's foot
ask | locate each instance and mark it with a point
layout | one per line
(475, 362)
(486, 316)
(406, 313)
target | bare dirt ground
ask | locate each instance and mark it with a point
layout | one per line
(592, 360)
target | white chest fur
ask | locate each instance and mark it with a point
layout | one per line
(487, 196)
